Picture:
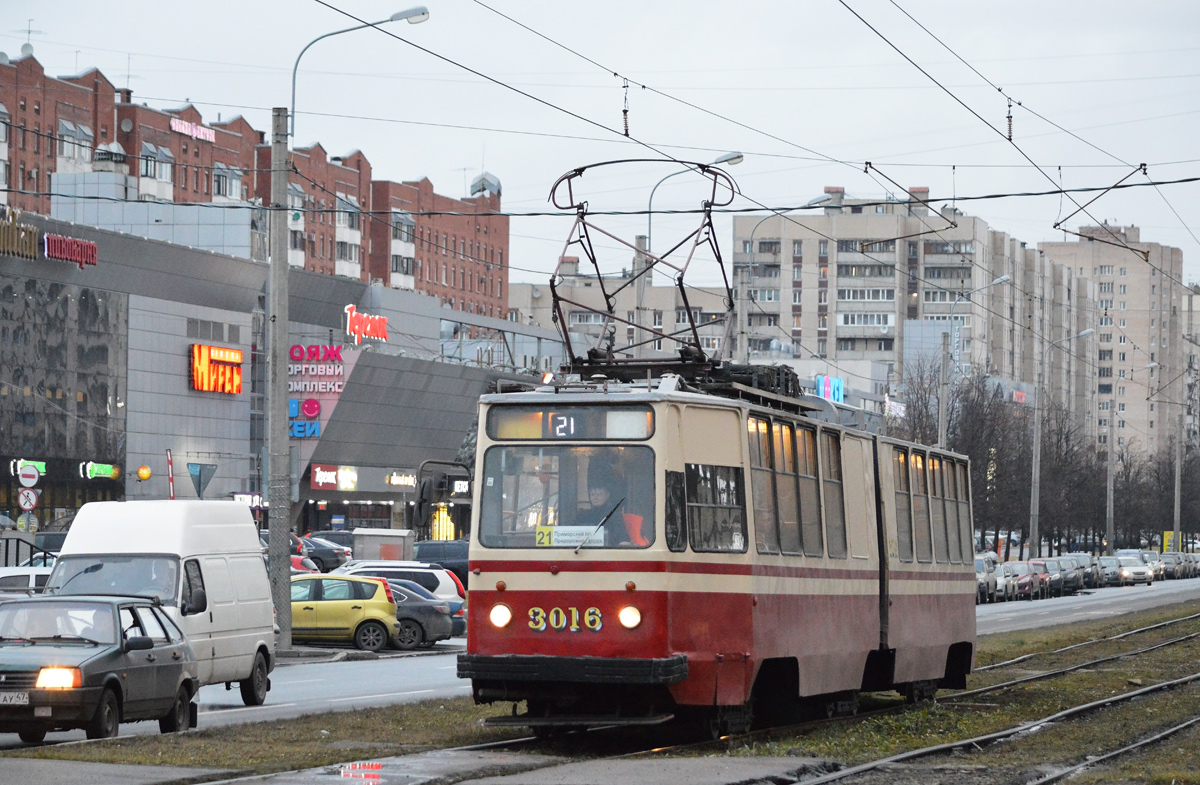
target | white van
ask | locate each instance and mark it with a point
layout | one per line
(202, 559)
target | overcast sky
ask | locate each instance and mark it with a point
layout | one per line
(805, 89)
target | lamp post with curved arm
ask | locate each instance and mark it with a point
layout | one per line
(733, 159)
(414, 16)
(1035, 540)
(639, 287)
(943, 397)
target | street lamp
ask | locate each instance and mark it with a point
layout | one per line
(1035, 492)
(413, 15)
(733, 159)
(943, 398)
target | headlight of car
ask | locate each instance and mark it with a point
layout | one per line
(58, 679)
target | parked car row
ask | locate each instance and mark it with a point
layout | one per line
(1056, 576)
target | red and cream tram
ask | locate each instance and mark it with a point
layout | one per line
(643, 551)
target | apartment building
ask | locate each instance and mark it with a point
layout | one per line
(453, 249)
(858, 285)
(1139, 351)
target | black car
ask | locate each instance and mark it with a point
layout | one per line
(424, 619)
(449, 554)
(92, 662)
(325, 554)
(338, 536)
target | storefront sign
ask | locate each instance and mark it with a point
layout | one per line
(15, 466)
(216, 369)
(316, 361)
(324, 478)
(90, 470)
(17, 239)
(191, 129)
(362, 325)
(333, 478)
(310, 409)
(69, 249)
(460, 487)
(402, 480)
(831, 388)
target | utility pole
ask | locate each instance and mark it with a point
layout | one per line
(1035, 491)
(1109, 531)
(279, 515)
(640, 262)
(944, 392)
(1178, 479)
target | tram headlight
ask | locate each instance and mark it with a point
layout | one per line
(630, 617)
(500, 615)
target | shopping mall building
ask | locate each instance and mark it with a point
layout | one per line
(119, 352)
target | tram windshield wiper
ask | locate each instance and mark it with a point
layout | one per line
(603, 521)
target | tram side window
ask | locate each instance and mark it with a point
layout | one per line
(835, 511)
(920, 506)
(716, 508)
(810, 493)
(937, 510)
(966, 526)
(950, 492)
(785, 487)
(903, 503)
(676, 523)
(766, 527)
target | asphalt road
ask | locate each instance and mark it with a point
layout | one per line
(352, 684)
(1086, 606)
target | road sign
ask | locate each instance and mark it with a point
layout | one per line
(28, 498)
(29, 475)
(201, 474)
(27, 522)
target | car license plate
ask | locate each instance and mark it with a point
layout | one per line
(14, 698)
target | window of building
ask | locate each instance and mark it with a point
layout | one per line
(296, 240)
(768, 246)
(867, 319)
(402, 265)
(1104, 389)
(884, 345)
(823, 248)
(866, 270)
(149, 167)
(764, 295)
(1106, 305)
(822, 296)
(797, 245)
(747, 246)
(869, 294)
(796, 297)
(822, 346)
(845, 344)
(948, 273)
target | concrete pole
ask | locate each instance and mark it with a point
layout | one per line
(1110, 532)
(640, 262)
(944, 391)
(278, 541)
(1178, 479)
(1035, 491)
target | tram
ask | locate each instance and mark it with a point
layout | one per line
(644, 549)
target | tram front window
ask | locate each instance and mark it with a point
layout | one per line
(559, 496)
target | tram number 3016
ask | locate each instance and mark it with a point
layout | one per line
(569, 619)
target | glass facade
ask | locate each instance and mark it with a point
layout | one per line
(63, 355)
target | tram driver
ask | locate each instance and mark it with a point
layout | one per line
(606, 496)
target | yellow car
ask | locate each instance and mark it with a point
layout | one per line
(343, 608)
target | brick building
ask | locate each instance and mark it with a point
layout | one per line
(126, 167)
(458, 252)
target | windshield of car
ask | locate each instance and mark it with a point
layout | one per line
(1129, 561)
(979, 565)
(145, 575)
(1019, 568)
(1108, 561)
(84, 622)
(563, 496)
